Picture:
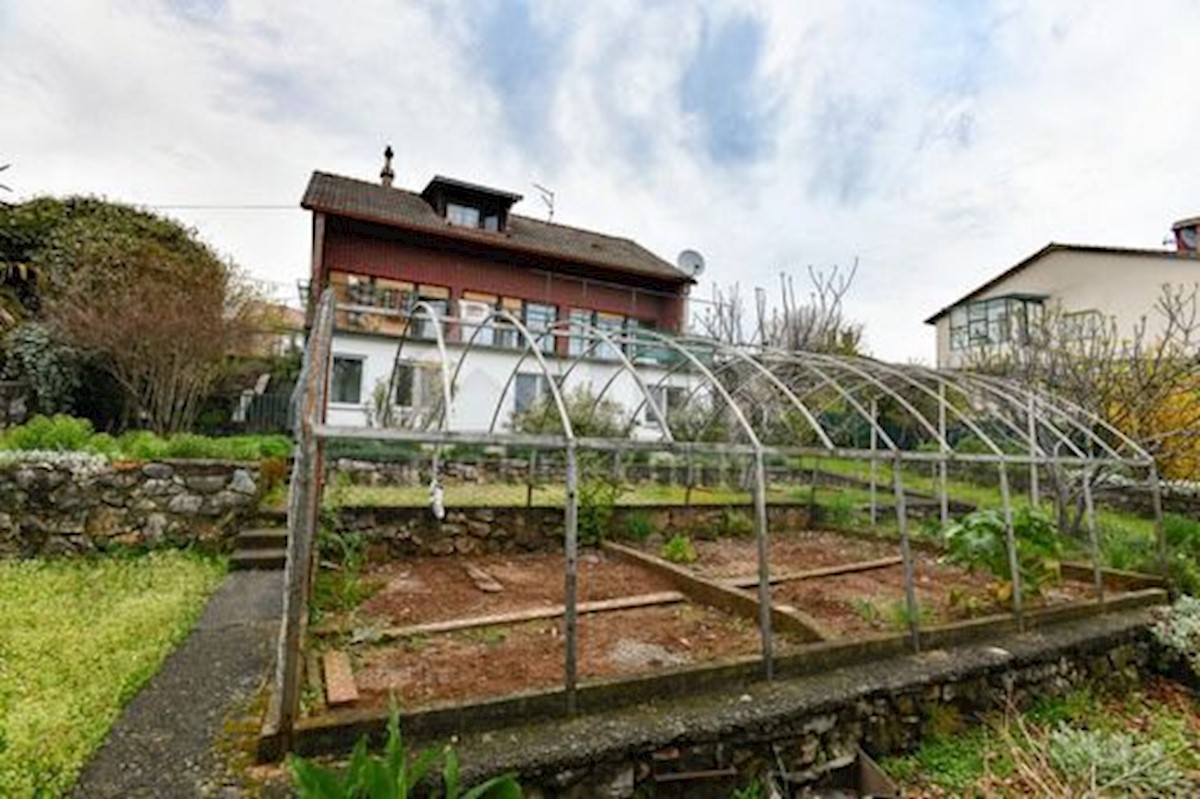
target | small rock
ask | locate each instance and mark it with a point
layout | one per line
(185, 503)
(243, 483)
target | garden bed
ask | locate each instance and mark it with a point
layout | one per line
(731, 558)
(496, 661)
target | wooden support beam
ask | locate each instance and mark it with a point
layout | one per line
(340, 689)
(519, 616)
(813, 574)
(723, 597)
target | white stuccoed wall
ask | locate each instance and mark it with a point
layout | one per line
(482, 379)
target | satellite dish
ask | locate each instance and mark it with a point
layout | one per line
(690, 262)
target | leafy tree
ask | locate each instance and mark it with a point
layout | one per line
(49, 367)
(136, 293)
(590, 417)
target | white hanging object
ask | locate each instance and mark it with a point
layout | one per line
(437, 499)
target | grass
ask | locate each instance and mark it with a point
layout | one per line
(78, 639)
(1012, 755)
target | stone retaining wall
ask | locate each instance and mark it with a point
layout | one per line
(405, 532)
(81, 504)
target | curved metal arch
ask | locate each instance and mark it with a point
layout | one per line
(447, 385)
(796, 358)
(901, 373)
(627, 366)
(1059, 403)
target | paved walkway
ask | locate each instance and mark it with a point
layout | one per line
(162, 745)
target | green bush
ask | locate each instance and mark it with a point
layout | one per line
(597, 498)
(978, 541)
(1125, 548)
(1177, 631)
(640, 526)
(1116, 761)
(679, 549)
(68, 434)
(841, 511)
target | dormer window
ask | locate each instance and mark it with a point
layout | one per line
(462, 215)
(469, 205)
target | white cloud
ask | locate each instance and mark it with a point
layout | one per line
(939, 144)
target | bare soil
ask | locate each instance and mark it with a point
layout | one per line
(726, 558)
(496, 661)
(438, 589)
(864, 603)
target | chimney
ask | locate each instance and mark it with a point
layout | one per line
(386, 174)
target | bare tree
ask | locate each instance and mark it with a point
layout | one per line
(1145, 383)
(817, 324)
(162, 320)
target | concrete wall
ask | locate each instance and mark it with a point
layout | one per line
(1124, 286)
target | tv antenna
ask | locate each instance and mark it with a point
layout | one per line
(2, 168)
(548, 198)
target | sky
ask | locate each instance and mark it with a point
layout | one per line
(933, 143)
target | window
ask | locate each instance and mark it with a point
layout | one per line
(529, 389)
(473, 314)
(580, 339)
(462, 215)
(1082, 325)
(438, 299)
(347, 379)
(670, 400)
(996, 321)
(506, 334)
(641, 349)
(404, 385)
(539, 318)
(612, 325)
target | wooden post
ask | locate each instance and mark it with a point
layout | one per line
(1010, 541)
(910, 588)
(764, 567)
(572, 557)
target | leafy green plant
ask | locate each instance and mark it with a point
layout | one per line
(841, 510)
(679, 549)
(899, 618)
(735, 523)
(48, 367)
(978, 542)
(395, 775)
(752, 790)
(67, 433)
(597, 498)
(54, 433)
(868, 611)
(640, 526)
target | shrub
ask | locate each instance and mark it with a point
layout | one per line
(735, 523)
(55, 433)
(1115, 761)
(841, 511)
(396, 775)
(597, 498)
(50, 368)
(978, 541)
(679, 549)
(640, 526)
(1177, 630)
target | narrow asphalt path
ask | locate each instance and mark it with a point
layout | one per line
(162, 745)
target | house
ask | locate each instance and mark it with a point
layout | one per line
(1087, 285)
(459, 249)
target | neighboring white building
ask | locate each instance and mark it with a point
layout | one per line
(1090, 285)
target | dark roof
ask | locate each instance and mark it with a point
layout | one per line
(371, 202)
(1055, 247)
(441, 181)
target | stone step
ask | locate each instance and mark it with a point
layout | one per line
(258, 559)
(261, 538)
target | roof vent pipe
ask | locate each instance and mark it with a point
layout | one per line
(386, 175)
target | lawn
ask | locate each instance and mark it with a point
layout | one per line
(78, 638)
(1146, 743)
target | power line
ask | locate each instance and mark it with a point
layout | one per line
(203, 207)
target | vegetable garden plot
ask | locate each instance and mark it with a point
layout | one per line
(870, 602)
(501, 660)
(731, 558)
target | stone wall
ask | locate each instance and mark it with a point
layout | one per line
(62, 505)
(405, 532)
(818, 723)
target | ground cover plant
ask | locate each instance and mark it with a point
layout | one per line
(398, 774)
(62, 433)
(1083, 744)
(78, 638)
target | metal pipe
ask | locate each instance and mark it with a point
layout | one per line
(1093, 536)
(764, 567)
(1160, 533)
(874, 463)
(910, 589)
(943, 487)
(1035, 498)
(1010, 541)
(572, 557)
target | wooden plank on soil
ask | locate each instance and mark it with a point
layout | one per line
(784, 619)
(533, 614)
(339, 679)
(813, 574)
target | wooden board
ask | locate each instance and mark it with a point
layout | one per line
(340, 689)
